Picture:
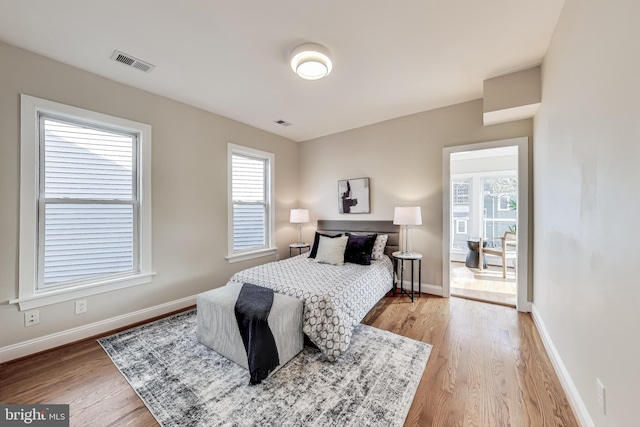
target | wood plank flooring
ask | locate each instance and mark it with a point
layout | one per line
(483, 285)
(488, 367)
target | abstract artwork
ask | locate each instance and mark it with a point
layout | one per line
(353, 196)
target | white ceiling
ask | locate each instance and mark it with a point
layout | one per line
(391, 58)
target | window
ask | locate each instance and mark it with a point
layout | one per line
(485, 202)
(504, 203)
(251, 220)
(500, 213)
(85, 208)
(461, 190)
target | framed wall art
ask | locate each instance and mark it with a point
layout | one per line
(353, 196)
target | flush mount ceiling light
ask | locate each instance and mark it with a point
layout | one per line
(311, 61)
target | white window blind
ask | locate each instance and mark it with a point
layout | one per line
(88, 202)
(250, 198)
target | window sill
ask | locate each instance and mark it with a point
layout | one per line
(61, 295)
(244, 256)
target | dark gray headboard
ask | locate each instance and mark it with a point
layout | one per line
(331, 227)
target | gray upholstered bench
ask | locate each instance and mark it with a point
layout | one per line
(218, 329)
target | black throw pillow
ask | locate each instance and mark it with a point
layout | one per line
(316, 240)
(359, 248)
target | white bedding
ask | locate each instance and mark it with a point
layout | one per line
(336, 298)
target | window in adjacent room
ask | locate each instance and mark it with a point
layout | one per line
(500, 192)
(250, 203)
(504, 202)
(482, 205)
(461, 212)
(461, 226)
(85, 209)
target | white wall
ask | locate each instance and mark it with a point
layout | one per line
(465, 163)
(403, 158)
(587, 199)
(189, 190)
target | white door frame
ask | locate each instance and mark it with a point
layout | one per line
(522, 261)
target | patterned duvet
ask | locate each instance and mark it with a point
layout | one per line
(336, 298)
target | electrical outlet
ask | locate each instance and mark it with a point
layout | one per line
(601, 396)
(31, 317)
(81, 306)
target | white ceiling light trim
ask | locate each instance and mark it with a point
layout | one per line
(311, 61)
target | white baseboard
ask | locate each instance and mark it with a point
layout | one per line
(47, 342)
(563, 374)
(425, 288)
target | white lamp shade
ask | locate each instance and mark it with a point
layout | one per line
(407, 216)
(299, 216)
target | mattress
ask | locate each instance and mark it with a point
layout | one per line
(336, 298)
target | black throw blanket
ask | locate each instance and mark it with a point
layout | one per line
(252, 310)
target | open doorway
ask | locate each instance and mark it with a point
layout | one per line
(485, 222)
(484, 203)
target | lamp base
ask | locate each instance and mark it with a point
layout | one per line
(406, 240)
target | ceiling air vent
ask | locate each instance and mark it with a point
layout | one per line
(132, 61)
(282, 123)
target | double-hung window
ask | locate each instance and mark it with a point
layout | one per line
(250, 203)
(85, 203)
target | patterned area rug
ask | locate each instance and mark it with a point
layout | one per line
(184, 383)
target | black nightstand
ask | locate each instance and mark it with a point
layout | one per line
(400, 258)
(299, 247)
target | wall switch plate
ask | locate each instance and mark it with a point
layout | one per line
(600, 393)
(81, 306)
(31, 317)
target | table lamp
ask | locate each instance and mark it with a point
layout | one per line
(407, 217)
(299, 216)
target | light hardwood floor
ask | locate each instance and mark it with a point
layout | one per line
(483, 285)
(487, 368)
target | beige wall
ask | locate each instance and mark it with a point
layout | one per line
(189, 190)
(403, 158)
(511, 97)
(587, 199)
(512, 90)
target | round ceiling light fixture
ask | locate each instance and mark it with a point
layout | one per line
(311, 61)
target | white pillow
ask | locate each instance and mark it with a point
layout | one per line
(379, 245)
(331, 251)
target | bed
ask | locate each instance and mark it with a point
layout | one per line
(336, 298)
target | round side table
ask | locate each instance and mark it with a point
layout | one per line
(299, 247)
(399, 259)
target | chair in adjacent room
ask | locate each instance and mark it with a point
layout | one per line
(506, 251)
